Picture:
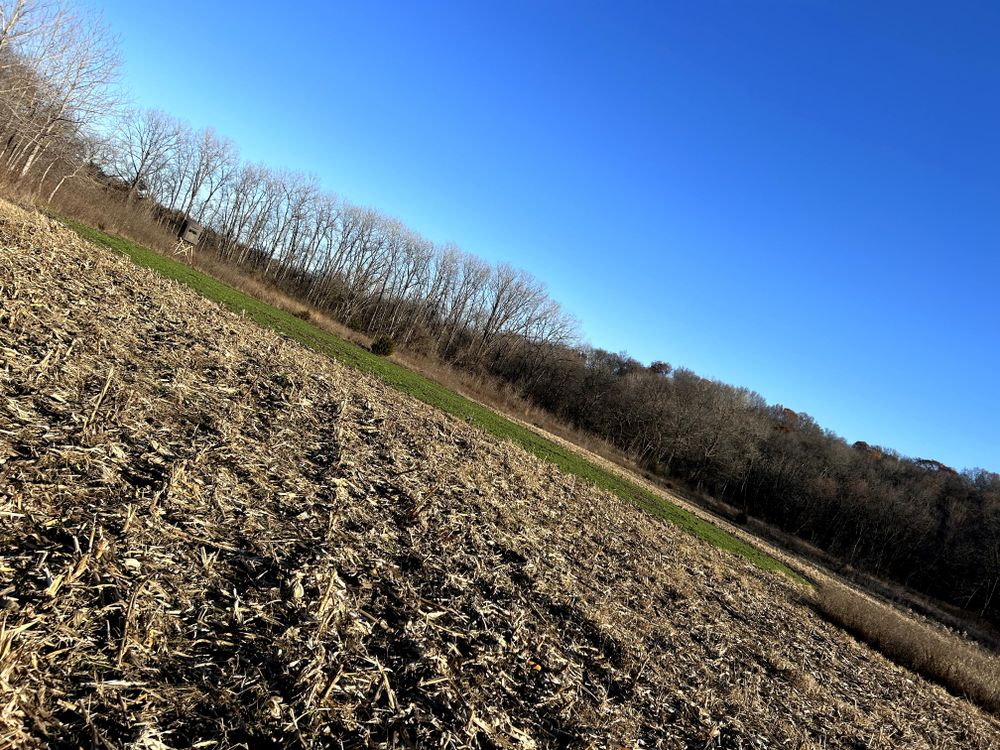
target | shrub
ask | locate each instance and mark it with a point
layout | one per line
(383, 346)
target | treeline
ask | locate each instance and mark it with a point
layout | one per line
(914, 521)
(368, 270)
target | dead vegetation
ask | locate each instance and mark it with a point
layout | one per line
(211, 537)
(964, 667)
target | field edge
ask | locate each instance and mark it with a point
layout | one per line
(429, 392)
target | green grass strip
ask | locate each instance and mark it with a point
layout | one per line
(430, 392)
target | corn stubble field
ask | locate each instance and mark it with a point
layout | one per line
(212, 537)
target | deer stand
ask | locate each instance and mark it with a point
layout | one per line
(187, 238)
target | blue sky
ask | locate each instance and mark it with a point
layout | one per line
(802, 197)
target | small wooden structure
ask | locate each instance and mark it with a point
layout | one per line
(190, 232)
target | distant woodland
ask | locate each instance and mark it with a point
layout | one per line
(66, 139)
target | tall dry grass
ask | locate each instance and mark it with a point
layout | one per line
(962, 667)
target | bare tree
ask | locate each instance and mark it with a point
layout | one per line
(57, 74)
(145, 142)
(214, 161)
(79, 81)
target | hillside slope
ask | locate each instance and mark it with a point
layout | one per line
(210, 536)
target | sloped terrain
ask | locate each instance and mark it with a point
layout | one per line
(212, 537)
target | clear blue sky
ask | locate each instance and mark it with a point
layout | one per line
(801, 197)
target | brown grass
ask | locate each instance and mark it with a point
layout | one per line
(963, 667)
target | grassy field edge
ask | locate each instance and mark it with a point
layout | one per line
(428, 391)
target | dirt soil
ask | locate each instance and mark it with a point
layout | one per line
(211, 537)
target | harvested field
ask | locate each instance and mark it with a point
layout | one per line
(212, 537)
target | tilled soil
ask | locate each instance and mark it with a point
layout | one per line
(211, 537)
